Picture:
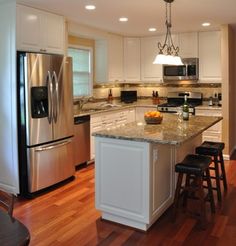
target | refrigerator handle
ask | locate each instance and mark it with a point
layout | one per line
(53, 146)
(49, 85)
(56, 99)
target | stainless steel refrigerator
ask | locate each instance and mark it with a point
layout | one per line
(45, 120)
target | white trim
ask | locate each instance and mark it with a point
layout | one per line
(90, 49)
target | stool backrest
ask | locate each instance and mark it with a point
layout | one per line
(7, 202)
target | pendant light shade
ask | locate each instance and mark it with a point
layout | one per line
(168, 53)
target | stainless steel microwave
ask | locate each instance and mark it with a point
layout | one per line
(188, 71)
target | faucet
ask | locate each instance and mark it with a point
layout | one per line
(83, 100)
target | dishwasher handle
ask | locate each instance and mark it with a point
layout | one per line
(81, 119)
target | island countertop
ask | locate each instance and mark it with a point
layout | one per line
(172, 130)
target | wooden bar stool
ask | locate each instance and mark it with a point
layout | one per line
(195, 167)
(215, 150)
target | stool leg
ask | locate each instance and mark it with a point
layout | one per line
(177, 193)
(210, 192)
(217, 178)
(185, 197)
(202, 202)
(223, 171)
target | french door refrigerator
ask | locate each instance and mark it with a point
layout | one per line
(45, 120)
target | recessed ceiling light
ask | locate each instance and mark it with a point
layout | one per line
(206, 24)
(90, 7)
(123, 19)
(152, 29)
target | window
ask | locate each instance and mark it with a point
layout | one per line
(82, 70)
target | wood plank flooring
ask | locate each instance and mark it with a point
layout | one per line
(67, 216)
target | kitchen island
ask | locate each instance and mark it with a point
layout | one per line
(134, 167)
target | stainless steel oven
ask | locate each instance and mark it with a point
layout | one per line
(176, 99)
(188, 71)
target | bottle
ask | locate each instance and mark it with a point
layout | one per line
(185, 109)
(153, 94)
(110, 97)
(210, 101)
(157, 98)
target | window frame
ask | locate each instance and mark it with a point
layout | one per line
(90, 49)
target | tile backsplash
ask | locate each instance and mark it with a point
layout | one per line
(145, 90)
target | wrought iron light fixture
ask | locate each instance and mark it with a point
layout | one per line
(168, 53)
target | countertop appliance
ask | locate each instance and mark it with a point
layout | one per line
(128, 96)
(176, 100)
(45, 120)
(188, 71)
(81, 139)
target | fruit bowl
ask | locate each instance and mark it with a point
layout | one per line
(153, 120)
(153, 117)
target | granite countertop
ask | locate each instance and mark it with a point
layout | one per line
(205, 105)
(95, 108)
(99, 107)
(170, 131)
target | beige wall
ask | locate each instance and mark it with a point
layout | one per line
(228, 87)
(80, 41)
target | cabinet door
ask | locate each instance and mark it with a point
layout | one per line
(188, 44)
(213, 133)
(210, 56)
(149, 50)
(101, 73)
(95, 125)
(109, 59)
(115, 58)
(53, 33)
(132, 59)
(40, 31)
(28, 26)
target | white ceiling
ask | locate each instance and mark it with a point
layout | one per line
(187, 15)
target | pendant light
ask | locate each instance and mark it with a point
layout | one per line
(168, 53)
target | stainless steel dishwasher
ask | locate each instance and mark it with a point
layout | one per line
(81, 139)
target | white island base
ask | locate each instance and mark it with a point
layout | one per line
(135, 181)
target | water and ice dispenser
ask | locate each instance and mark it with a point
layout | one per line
(39, 101)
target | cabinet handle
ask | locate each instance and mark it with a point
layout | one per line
(43, 50)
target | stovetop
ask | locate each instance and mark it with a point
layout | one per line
(176, 100)
(178, 104)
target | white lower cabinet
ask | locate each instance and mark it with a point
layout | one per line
(213, 133)
(108, 120)
(135, 181)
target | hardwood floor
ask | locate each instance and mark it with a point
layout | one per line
(67, 216)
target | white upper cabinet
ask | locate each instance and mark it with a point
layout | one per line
(149, 50)
(109, 59)
(115, 58)
(188, 44)
(210, 56)
(132, 59)
(40, 31)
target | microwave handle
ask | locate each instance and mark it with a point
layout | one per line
(182, 94)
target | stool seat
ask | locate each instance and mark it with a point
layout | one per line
(210, 148)
(193, 164)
